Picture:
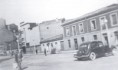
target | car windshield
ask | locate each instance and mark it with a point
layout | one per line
(85, 45)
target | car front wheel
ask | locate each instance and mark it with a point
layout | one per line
(92, 56)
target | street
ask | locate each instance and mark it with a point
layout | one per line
(62, 61)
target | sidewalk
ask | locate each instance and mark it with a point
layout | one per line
(69, 51)
(3, 58)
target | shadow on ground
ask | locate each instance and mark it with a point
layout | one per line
(24, 68)
(2, 60)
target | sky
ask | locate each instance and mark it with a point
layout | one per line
(17, 11)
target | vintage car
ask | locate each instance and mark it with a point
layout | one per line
(91, 50)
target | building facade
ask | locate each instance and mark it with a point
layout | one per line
(99, 25)
(30, 35)
(51, 34)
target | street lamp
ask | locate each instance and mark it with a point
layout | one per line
(18, 41)
(24, 35)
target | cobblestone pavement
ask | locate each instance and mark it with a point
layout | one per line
(63, 61)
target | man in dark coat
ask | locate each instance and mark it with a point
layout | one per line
(45, 52)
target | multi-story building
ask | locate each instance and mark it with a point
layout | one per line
(51, 34)
(98, 25)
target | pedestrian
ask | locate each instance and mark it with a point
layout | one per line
(12, 53)
(36, 51)
(17, 61)
(20, 56)
(15, 64)
(45, 52)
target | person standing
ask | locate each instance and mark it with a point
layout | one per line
(20, 56)
(17, 60)
(36, 51)
(45, 52)
(12, 53)
(16, 56)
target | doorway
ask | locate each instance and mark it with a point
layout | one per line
(76, 44)
(62, 45)
(106, 39)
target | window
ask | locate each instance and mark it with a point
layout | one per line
(48, 44)
(74, 30)
(85, 45)
(81, 29)
(55, 42)
(41, 38)
(47, 27)
(94, 45)
(93, 24)
(69, 43)
(51, 44)
(22, 39)
(100, 44)
(67, 31)
(103, 22)
(116, 34)
(82, 38)
(27, 44)
(95, 37)
(114, 18)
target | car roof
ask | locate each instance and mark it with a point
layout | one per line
(91, 42)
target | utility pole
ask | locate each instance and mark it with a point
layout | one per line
(24, 31)
(18, 40)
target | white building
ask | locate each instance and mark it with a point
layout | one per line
(51, 33)
(30, 35)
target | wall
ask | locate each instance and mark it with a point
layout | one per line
(31, 36)
(50, 29)
(50, 47)
(88, 33)
(34, 36)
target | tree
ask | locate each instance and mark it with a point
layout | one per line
(13, 28)
(6, 36)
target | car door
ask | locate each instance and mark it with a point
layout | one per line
(101, 47)
(96, 48)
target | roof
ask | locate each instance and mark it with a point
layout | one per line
(27, 23)
(94, 13)
(52, 21)
(23, 24)
(55, 38)
(67, 21)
